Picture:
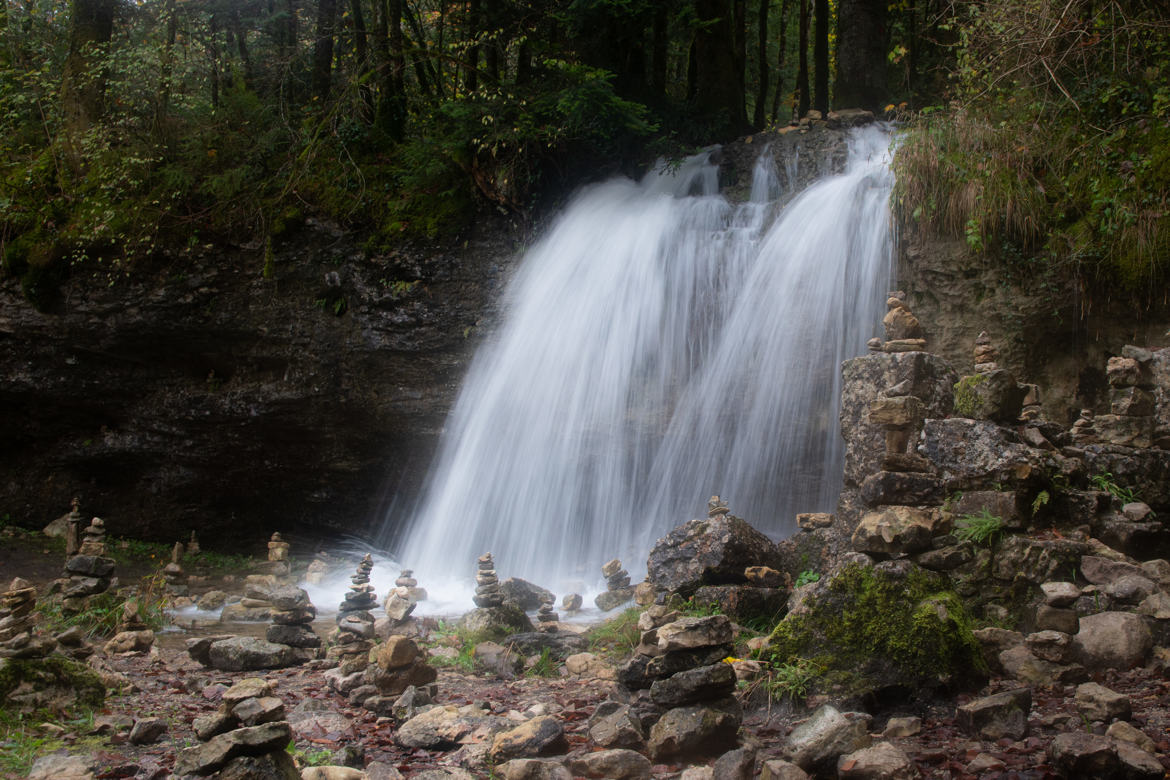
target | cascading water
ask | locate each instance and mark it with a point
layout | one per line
(659, 346)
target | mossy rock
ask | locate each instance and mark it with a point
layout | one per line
(890, 630)
(994, 395)
(496, 622)
(54, 682)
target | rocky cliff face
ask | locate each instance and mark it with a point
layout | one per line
(201, 395)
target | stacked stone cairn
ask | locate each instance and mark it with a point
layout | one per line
(354, 635)
(256, 603)
(133, 635)
(193, 545)
(985, 354)
(617, 587)
(676, 693)
(278, 563)
(1132, 405)
(1083, 431)
(247, 737)
(18, 634)
(572, 602)
(89, 572)
(173, 574)
(315, 573)
(292, 618)
(487, 584)
(414, 592)
(396, 667)
(903, 330)
(546, 616)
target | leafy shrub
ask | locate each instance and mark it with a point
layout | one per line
(807, 576)
(982, 528)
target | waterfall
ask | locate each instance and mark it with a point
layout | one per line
(658, 346)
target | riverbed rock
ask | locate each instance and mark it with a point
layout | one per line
(542, 736)
(883, 761)
(614, 764)
(244, 653)
(1113, 640)
(708, 729)
(816, 744)
(710, 551)
(1096, 702)
(999, 715)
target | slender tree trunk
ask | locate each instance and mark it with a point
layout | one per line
(861, 54)
(802, 60)
(660, 39)
(323, 49)
(762, 59)
(783, 44)
(471, 73)
(390, 115)
(365, 67)
(83, 84)
(821, 57)
(429, 80)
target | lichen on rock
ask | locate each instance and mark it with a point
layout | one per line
(876, 629)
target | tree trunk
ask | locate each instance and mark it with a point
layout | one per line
(802, 59)
(323, 49)
(83, 83)
(391, 112)
(362, 53)
(719, 95)
(821, 58)
(780, 64)
(762, 59)
(471, 72)
(861, 54)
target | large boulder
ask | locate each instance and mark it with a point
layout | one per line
(993, 395)
(523, 594)
(708, 729)
(245, 653)
(891, 627)
(1112, 640)
(897, 530)
(713, 551)
(497, 622)
(972, 453)
(816, 744)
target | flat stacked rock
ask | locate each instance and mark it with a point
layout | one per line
(394, 666)
(617, 586)
(546, 616)
(1132, 405)
(414, 592)
(18, 634)
(1083, 431)
(691, 711)
(487, 584)
(292, 616)
(278, 563)
(89, 572)
(903, 330)
(256, 603)
(247, 737)
(985, 355)
(354, 635)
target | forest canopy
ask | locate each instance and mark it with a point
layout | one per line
(138, 129)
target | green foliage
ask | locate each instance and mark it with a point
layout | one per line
(309, 756)
(545, 666)
(869, 625)
(1105, 482)
(25, 736)
(1041, 500)
(1053, 159)
(617, 637)
(982, 528)
(807, 576)
(463, 641)
(792, 680)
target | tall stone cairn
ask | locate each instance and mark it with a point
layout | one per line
(985, 354)
(487, 584)
(173, 573)
(73, 523)
(546, 616)
(292, 616)
(617, 586)
(18, 635)
(355, 624)
(1132, 405)
(193, 545)
(89, 572)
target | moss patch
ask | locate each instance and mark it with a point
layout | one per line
(46, 682)
(875, 628)
(967, 396)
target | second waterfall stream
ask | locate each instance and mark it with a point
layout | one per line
(658, 346)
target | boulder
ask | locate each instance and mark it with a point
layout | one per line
(738, 764)
(497, 659)
(444, 728)
(497, 622)
(216, 752)
(1021, 664)
(993, 395)
(778, 769)
(997, 716)
(694, 685)
(1096, 702)
(614, 764)
(700, 730)
(277, 765)
(1113, 640)
(533, 769)
(745, 602)
(894, 487)
(245, 653)
(897, 530)
(253, 712)
(828, 734)
(542, 736)
(882, 761)
(294, 636)
(559, 644)
(711, 551)
(1060, 594)
(971, 453)
(523, 595)
(1083, 754)
(147, 731)
(692, 633)
(612, 725)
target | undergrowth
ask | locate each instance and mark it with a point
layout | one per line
(617, 637)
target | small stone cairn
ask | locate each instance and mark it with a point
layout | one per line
(247, 737)
(487, 584)
(1132, 405)
(278, 563)
(193, 545)
(292, 616)
(89, 572)
(1083, 431)
(903, 330)
(546, 616)
(617, 586)
(677, 685)
(985, 354)
(173, 573)
(406, 580)
(354, 635)
(18, 634)
(396, 666)
(133, 635)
